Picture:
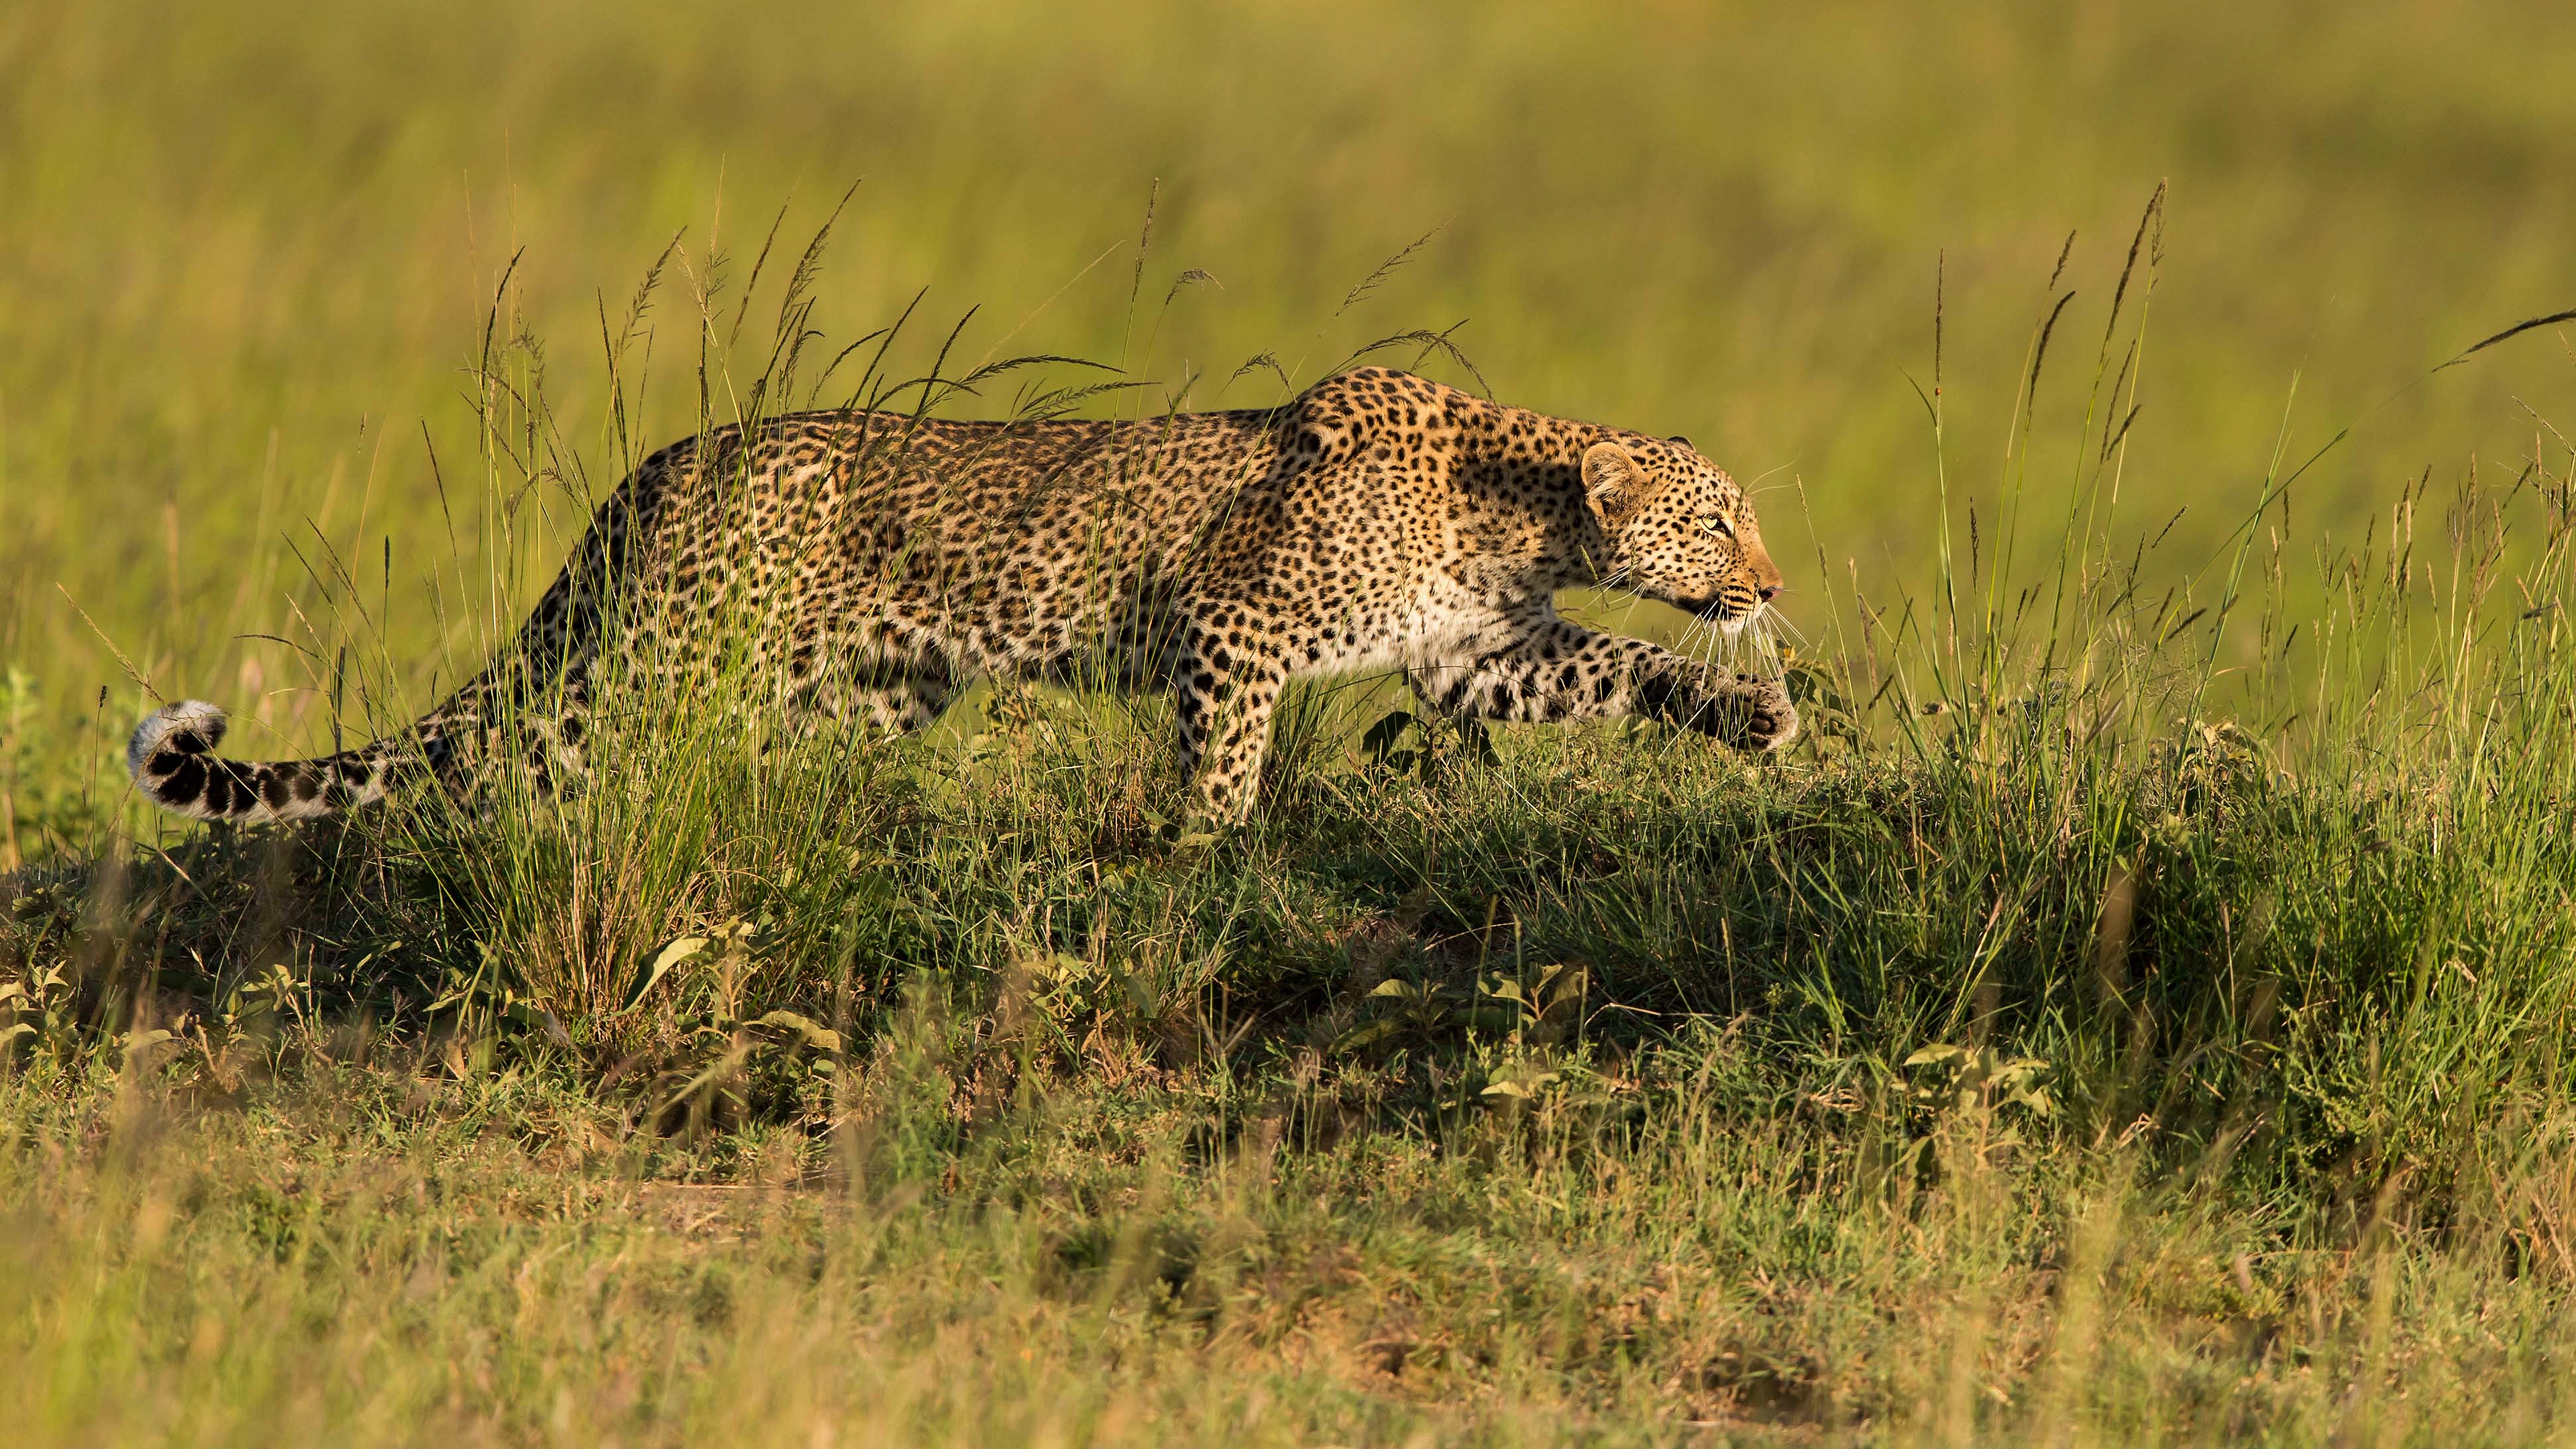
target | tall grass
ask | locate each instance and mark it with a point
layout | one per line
(2134, 1012)
(2077, 1037)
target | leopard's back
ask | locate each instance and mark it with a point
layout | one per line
(994, 547)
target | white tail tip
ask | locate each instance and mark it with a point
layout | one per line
(187, 717)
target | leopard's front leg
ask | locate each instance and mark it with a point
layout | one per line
(1224, 692)
(1744, 711)
(1557, 670)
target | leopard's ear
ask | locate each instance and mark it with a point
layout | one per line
(1613, 483)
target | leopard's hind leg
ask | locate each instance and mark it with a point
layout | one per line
(895, 697)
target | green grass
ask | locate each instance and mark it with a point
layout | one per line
(1851, 1107)
(2136, 1012)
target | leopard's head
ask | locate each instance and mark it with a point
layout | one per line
(1678, 529)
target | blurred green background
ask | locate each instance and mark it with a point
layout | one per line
(246, 249)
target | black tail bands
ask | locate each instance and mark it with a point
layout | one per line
(172, 759)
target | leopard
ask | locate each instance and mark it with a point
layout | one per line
(1376, 520)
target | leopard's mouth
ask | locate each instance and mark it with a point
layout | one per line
(1713, 609)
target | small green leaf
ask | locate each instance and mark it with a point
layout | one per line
(1381, 737)
(1367, 1033)
(670, 956)
(815, 1035)
(533, 1017)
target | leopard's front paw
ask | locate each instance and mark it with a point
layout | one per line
(1755, 714)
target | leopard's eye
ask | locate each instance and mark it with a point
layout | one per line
(1716, 524)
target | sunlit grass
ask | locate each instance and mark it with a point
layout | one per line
(2073, 1039)
(2135, 1012)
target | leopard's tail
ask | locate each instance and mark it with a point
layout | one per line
(172, 760)
(172, 754)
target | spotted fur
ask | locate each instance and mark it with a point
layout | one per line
(1379, 520)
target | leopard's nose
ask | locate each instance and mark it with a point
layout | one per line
(1770, 592)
